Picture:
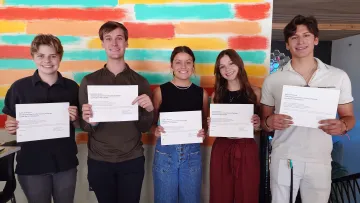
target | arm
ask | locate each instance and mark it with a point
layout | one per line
(11, 100)
(83, 101)
(157, 102)
(146, 113)
(205, 110)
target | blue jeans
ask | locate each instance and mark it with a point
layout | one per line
(177, 173)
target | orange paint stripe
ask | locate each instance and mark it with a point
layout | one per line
(10, 76)
(234, 27)
(209, 81)
(59, 27)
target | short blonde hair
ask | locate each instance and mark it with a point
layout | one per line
(49, 40)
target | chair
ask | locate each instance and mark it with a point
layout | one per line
(7, 174)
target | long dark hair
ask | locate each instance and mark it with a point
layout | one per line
(221, 83)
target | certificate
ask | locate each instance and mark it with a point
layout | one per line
(112, 103)
(181, 127)
(307, 106)
(42, 121)
(231, 120)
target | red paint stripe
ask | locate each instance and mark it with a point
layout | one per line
(246, 43)
(253, 12)
(103, 14)
(2, 120)
(139, 30)
(15, 52)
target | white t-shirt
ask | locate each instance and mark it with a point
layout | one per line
(301, 143)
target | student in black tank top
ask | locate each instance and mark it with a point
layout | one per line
(234, 163)
(177, 170)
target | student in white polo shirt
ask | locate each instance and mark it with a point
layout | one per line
(308, 149)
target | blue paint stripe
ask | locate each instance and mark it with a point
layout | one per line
(6, 64)
(1, 105)
(183, 11)
(27, 39)
(72, 3)
(255, 57)
(152, 78)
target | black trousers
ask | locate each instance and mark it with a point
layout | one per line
(116, 182)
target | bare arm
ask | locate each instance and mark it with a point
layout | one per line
(156, 102)
(345, 122)
(11, 125)
(205, 110)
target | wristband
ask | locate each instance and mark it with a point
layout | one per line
(266, 125)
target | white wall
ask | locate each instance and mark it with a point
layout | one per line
(346, 55)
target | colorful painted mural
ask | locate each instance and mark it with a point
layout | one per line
(155, 28)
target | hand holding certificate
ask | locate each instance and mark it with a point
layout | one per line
(231, 120)
(181, 127)
(42, 121)
(111, 103)
(307, 106)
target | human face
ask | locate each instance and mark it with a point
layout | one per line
(302, 43)
(183, 66)
(47, 60)
(115, 44)
(228, 69)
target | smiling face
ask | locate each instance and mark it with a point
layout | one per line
(302, 43)
(47, 60)
(228, 69)
(183, 66)
(115, 44)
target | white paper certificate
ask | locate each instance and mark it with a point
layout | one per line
(231, 120)
(113, 102)
(42, 121)
(180, 127)
(307, 106)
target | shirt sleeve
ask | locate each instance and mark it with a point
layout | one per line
(267, 97)
(145, 118)
(83, 99)
(10, 101)
(345, 90)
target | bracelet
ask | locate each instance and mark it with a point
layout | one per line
(346, 126)
(266, 125)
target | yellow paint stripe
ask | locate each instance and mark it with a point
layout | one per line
(234, 27)
(185, 1)
(209, 81)
(251, 70)
(194, 43)
(59, 27)
(12, 26)
(3, 90)
(80, 66)
(2, 2)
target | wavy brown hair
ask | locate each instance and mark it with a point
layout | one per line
(221, 83)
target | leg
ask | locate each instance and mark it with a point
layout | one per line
(190, 176)
(280, 179)
(165, 175)
(64, 184)
(37, 188)
(221, 179)
(102, 179)
(316, 185)
(248, 182)
(130, 175)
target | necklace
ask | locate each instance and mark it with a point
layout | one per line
(231, 99)
(181, 88)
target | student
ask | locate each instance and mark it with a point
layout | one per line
(116, 159)
(177, 168)
(45, 168)
(234, 163)
(308, 149)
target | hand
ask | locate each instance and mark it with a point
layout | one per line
(158, 131)
(73, 111)
(11, 126)
(255, 120)
(144, 101)
(208, 121)
(201, 133)
(332, 126)
(87, 113)
(279, 121)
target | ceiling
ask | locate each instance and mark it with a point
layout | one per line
(337, 18)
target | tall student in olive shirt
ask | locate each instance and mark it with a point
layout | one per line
(116, 160)
(46, 169)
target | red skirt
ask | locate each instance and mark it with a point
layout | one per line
(234, 171)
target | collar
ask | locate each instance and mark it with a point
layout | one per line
(321, 66)
(124, 72)
(36, 79)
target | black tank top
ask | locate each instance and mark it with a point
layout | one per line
(181, 99)
(237, 97)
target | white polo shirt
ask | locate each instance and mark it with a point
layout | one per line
(301, 143)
